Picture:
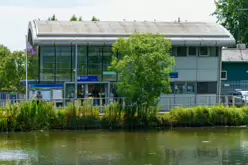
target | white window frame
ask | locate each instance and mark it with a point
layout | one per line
(204, 55)
(221, 75)
(192, 55)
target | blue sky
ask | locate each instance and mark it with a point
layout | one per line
(15, 14)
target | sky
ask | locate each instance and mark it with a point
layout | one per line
(15, 14)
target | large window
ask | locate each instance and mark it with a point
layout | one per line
(82, 61)
(192, 51)
(184, 87)
(204, 51)
(207, 87)
(107, 59)
(223, 75)
(95, 67)
(63, 63)
(173, 51)
(47, 63)
(181, 51)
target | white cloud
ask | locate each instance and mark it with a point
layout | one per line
(15, 17)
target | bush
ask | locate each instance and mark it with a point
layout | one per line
(29, 116)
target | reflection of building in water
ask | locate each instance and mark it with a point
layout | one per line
(193, 156)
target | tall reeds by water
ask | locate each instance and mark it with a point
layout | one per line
(29, 116)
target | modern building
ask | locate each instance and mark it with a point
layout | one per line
(234, 73)
(196, 46)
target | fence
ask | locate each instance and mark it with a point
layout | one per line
(229, 86)
(166, 102)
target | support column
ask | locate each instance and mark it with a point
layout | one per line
(76, 69)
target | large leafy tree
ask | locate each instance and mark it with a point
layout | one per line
(143, 69)
(228, 15)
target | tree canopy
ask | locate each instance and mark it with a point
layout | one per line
(94, 19)
(13, 69)
(53, 18)
(228, 15)
(143, 69)
(73, 18)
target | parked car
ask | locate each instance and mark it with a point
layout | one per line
(240, 98)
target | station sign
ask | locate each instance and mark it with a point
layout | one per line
(87, 78)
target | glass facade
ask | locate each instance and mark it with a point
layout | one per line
(57, 63)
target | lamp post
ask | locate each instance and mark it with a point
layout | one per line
(239, 11)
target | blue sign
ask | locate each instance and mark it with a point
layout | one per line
(87, 78)
(174, 75)
(50, 86)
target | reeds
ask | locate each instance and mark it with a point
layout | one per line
(29, 116)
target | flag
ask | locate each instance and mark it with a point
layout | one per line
(30, 49)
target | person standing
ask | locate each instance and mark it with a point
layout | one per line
(39, 97)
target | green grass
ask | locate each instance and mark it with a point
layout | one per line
(29, 116)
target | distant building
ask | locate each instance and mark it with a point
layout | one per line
(234, 73)
(196, 46)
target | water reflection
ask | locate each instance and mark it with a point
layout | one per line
(176, 147)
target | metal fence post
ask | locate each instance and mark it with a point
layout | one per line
(233, 101)
(226, 100)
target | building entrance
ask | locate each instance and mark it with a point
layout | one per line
(99, 91)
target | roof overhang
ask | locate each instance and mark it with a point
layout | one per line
(39, 39)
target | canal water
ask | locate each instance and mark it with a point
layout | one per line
(173, 147)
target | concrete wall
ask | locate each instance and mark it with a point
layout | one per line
(196, 69)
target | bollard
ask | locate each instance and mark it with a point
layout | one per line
(169, 103)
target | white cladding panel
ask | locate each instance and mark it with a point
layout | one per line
(196, 68)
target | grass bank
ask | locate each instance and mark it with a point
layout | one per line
(29, 116)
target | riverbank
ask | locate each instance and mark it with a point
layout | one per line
(29, 116)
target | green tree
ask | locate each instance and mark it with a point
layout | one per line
(14, 71)
(94, 19)
(80, 19)
(53, 18)
(73, 18)
(227, 15)
(142, 70)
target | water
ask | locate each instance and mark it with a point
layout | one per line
(175, 147)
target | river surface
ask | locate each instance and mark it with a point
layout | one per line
(173, 147)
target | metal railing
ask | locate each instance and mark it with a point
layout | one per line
(166, 102)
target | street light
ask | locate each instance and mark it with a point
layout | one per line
(239, 10)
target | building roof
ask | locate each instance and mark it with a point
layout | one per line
(234, 55)
(180, 33)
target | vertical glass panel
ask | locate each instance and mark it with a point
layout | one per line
(107, 59)
(181, 51)
(204, 51)
(82, 61)
(63, 63)
(213, 52)
(190, 87)
(192, 51)
(180, 87)
(47, 61)
(95, 61)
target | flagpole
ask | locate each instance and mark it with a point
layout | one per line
(26, 69)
